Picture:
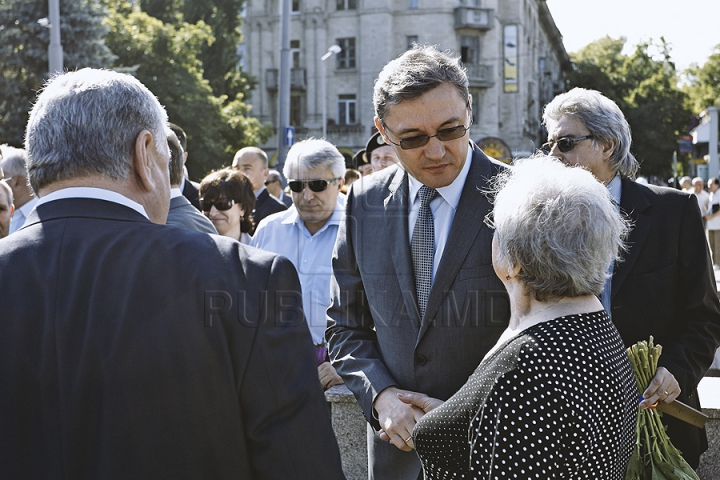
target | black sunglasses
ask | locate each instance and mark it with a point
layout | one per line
(221, 204)
(316, 186)
(444, 135)
(564, 144)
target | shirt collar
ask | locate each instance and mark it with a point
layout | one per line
(27, 208)
(175, 192)
(615, 188)
(259, 192)
(450, 193)
(95, 193)
(335, 219)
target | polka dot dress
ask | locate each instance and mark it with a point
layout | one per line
(557, 401)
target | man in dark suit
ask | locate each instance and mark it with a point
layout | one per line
(182, 214)
(415, 321)
(274, 185)
(117, 360)
(253, 162)
(665, 286)
(190, 189)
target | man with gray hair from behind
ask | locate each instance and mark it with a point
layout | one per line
(306, 233)
(664, 286)
(126, 362)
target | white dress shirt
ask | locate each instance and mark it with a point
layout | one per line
(443, 208)
(21, 214)
(96, 193)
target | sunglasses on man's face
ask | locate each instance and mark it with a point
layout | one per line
(316, 186)
(221, 204)
(564, 144)
(444, 135)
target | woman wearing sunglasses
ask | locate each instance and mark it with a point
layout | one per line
(227, 199)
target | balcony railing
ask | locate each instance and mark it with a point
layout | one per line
(480, 75)
(474, 17)
(297, 79)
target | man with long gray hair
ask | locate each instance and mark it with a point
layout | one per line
(664, 286)
(144, 350)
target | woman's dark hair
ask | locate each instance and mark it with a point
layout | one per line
(232, 184)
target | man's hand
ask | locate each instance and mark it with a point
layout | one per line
(663, 388)
(397, 418)
(328, 376)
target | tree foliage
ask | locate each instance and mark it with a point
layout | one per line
(645, 87)
(170, 47)
(24, 53)
(703, 83)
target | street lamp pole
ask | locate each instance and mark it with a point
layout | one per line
(55, 51)
(323, 93)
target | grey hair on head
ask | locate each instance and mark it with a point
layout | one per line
(603, 118)
(86, 123)
(415, 72)
(314, 153)
(13, 160)
(559, 225)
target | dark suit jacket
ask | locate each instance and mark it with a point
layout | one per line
(182, 214)
(665, 287)
(286, 200)
(135, 350)
(376, 337)
(266, 205)
(191, 191)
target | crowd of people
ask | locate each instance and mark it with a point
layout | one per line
(478, 312)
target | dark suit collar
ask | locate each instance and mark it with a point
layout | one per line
(83, 208)
(636, 204)
(262, 196)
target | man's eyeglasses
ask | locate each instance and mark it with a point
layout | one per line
(444, 135)
(220, 204)
(316, 186)
(564, 144)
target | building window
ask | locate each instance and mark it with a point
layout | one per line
(346, 57)
(295, 53)
(347, 109)
(296, 110)
(346, 4)
(295, 5)
(469, 50)
(510, 62)
(411, 40)
(414, 4)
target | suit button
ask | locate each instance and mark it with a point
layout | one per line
(420, 360)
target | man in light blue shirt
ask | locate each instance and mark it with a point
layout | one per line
(306, 232)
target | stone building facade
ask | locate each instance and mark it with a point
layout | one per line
(512, 50)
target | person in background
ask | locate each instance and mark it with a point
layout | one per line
(306, 233)
(227, 199)
(188, 188)
(664, 286)
(143, 351)
(182, 214)
(351, 175)
(274, 185)
(253, 162)
(13, 164)
(712, 219)
(559, 350)
(6, 208)
(361, 163)
(703, 197)
(380, 154)
(686, 184)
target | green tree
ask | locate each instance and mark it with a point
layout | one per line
(165, 52)
(645, 87)
(703, 83)
(24, 58)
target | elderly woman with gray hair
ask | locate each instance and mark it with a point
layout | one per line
(555, 397)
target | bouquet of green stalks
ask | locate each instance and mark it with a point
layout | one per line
(655, 457)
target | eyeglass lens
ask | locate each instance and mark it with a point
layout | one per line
(316, 186)
(221, 204)
(564, 144)
(444, 135)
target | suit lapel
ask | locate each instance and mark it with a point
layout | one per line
(465, 228)
(396, 209)
(635, 204)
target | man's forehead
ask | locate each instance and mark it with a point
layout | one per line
(304, 173)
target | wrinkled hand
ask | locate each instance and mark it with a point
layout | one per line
(420, 400)
(328, 376)
(397, 418)
(663, 388)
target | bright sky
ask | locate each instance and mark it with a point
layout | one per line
(690, 26)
